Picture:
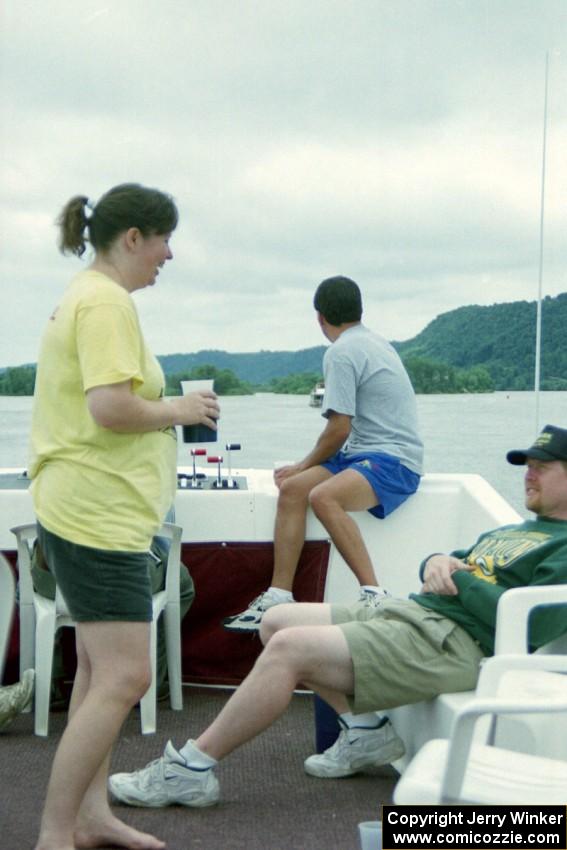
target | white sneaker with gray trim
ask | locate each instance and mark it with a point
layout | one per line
(166, 781)
(249, 621)
(355, 750)
(373, 598)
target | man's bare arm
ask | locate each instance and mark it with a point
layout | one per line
(331, 439)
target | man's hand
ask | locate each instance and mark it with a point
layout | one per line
(438, 572)
(286, 472)
(330, 440)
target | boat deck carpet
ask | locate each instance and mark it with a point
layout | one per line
(268, 802)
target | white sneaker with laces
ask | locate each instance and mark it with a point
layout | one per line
(166, 781)
(373, 598)
(356, 749)
(249, 620)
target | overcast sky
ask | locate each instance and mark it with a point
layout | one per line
(395, 141)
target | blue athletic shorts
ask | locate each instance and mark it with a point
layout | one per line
(391, 481)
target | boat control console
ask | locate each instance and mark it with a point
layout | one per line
(201, 481)
(221, 479)
(14, 480)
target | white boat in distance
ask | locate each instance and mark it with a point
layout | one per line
(316, 395)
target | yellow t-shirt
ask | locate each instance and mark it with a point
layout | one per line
(91, 485)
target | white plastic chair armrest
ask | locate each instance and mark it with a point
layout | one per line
(7, 602)
(463, 731)
(513, 612)
(494, 668)
(23, 534)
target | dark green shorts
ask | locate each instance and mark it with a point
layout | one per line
(99, 584)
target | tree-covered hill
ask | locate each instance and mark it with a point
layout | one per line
(471, 349)
(258, 368)
(501, 338)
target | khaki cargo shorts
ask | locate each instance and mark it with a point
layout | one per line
(405, 653)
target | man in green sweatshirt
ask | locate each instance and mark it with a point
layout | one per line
(362, 659)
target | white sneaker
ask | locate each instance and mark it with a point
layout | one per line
(15, 698)
(355, 750)
(166, 781)
(249, 620)
(373, 598)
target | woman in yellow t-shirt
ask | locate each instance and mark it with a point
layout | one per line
(103, 471)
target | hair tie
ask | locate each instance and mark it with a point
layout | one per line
(88, 210)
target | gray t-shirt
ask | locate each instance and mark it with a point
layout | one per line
(365, 379)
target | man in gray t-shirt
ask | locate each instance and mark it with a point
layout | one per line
(368, 456)
(366, 381)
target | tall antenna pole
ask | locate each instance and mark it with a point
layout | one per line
(540, 277)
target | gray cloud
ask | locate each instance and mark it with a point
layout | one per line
(397, 141)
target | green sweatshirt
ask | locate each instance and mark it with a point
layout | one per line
(530, 554)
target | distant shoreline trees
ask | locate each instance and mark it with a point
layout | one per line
(468, 350)
(19, 380)
(299, 384)
(225, 381)
(427, 376)
(430, 376)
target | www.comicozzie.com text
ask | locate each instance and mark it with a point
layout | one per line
(461, 827)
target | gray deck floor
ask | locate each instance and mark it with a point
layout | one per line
(268, 802)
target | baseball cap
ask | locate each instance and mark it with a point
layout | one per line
(550, 445)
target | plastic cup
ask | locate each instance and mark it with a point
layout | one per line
(198, 433)
(197, 386)
(370, 835)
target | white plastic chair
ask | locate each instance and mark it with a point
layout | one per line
(464, 770)
(40, 618)
(421, 722)
(513, 614)
(7, 601)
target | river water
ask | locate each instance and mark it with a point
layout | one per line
(462, 433)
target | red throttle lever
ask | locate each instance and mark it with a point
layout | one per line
(197, 453)
(217, 459)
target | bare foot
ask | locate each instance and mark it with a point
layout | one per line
(42, 846)
(48, 841)
(115, 833)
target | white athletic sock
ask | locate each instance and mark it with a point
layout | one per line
(369, 720)
(280, 595)
(195, 757)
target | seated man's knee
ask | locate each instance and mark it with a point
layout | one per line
(292, 492)
(294, 654)
(320, 501)
(283, 648)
